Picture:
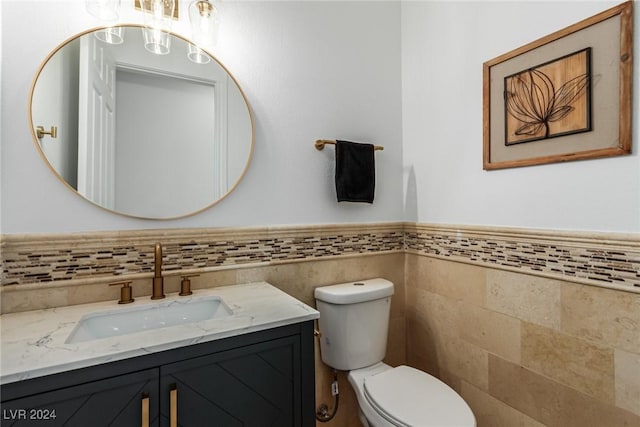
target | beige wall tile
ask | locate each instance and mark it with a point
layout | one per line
(433, 334)
(88, 293)
(492, 331)
(530, 298)
(422, 352)
(627, 366)
(299, 279)
(607, 316)
(33, 299)
(39, 297)
(429, 318)
(451, 380)
(396, 342)
(452, 279)
(214, 279)
(571, 361)
(467, 361)
(421, 363)
(549, 402)
(436, 314)
(439, 363)
(491, 412)
(284, 276)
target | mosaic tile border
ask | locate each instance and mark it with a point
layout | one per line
(28, 259)
(602, 259)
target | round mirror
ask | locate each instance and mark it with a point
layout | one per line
(141, 134)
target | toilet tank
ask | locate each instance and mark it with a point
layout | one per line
(354, 322)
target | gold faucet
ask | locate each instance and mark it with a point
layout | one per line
(158, 281)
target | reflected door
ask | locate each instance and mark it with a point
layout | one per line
(96, 126)
(167, 144)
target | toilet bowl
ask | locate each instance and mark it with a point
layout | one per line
(354, 320)
(407, 397)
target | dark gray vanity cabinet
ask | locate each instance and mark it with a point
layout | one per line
(254, 380)
(249, 386)
(116, 401)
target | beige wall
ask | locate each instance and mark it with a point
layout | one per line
(525, 350)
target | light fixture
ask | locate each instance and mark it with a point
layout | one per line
(204, 21)
(157, 23)
(106, 10)
(204, 29)
(158, 16)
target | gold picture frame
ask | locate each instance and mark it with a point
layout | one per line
(566, 96)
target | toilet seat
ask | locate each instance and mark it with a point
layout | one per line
(407, 397)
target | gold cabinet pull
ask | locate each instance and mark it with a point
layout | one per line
(145, 410)
(173, 411)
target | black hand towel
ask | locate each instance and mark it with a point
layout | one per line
(355, 172)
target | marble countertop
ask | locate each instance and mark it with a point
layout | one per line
(33, 342)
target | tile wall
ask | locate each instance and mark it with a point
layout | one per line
(525, 350)
(531, 327)
(58, 270)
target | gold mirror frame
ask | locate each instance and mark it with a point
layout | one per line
(38, 132)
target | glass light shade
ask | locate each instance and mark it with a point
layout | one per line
(204, 22)
(157, 21)
(106, 10)
(198, 55)
(111, 35)
(156, 41)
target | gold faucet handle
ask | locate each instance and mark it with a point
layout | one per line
(125, 292)
(185, 285)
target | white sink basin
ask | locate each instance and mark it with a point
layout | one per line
(136, 319)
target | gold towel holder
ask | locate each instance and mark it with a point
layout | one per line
(41, 132)
(320, 143)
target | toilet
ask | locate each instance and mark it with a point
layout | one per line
(354, 321)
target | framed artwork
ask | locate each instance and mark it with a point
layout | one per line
(566, 96)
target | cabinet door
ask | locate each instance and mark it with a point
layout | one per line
(252, 386)
(123, 401)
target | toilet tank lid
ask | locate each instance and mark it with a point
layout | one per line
(354, 292)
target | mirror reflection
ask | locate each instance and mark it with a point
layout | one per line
(145, 135)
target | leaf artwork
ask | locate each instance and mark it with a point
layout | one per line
(550, 100)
